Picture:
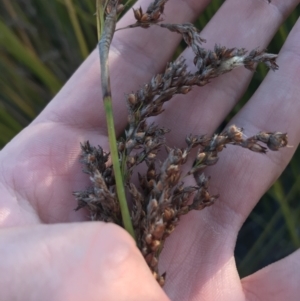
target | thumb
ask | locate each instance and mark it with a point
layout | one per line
(80, 261)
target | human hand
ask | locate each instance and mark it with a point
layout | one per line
(40, 169)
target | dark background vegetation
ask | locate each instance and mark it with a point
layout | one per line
(41, 45)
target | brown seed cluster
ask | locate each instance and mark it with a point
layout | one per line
(100, 198)
(212, 63)
(111, 4)
(148, 100)
(209, 148)
(152, 14)
(165, 199)
(160, 196)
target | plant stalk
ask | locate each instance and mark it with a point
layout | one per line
(103, 46)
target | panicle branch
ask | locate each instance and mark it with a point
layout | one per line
(148, 100)
(209, 148)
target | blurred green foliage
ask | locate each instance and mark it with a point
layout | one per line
(41, 45)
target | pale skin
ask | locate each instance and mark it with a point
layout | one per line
(49, 253)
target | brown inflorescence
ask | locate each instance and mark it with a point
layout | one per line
(161, 197)
(152, 14)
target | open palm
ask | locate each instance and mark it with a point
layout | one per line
(93, 261)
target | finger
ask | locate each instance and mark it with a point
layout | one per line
(278, 281)
(15, 212)
(90, 261)
(274, 107)
(135, 56)
(243, 24)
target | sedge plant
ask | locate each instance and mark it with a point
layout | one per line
(154, 205)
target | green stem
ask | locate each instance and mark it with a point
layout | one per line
(116, 166)
(108, 29)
